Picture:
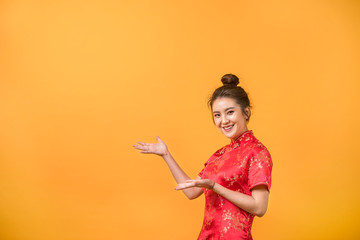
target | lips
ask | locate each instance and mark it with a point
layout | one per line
(228, 128)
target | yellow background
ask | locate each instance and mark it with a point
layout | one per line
(82, 81)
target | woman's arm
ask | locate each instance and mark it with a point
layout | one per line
(179, 175)
(255, 204)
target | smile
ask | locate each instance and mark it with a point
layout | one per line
(228, 128)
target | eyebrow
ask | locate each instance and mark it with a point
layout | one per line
(225, 109)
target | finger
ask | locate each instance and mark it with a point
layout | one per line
(159, 139)
(143, 144)
(181, 187)
(135, 145)
(139, 147)
(184, 186)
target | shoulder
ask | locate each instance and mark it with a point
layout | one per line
(258, 149)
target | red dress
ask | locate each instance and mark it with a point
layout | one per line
(239, 166)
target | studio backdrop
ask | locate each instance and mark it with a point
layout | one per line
(82, 81)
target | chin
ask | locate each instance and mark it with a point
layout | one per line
(233, 136)
(230, 136)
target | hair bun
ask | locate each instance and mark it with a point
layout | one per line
(230, 80)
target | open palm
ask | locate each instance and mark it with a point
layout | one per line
(152, 148)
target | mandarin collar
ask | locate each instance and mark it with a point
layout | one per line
(242, 137)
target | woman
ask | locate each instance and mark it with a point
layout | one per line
(236, 179)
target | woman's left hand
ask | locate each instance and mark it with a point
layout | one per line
(202, 183)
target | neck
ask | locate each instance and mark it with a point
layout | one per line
(234, 139)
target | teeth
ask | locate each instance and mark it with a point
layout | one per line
(228, 127)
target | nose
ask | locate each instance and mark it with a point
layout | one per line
(224, 120)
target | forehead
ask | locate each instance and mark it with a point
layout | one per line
(222, 104)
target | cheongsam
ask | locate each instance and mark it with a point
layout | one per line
(239, 166)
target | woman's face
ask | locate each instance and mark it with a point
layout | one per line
(229, 118)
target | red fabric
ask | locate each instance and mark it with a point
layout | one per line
(239, 166)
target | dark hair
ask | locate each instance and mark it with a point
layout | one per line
(231, 90)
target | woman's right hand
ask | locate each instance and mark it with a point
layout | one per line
(153, 148)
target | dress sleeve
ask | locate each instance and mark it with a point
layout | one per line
(260, 169)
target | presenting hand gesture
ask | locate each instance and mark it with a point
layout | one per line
(152, 148)
(202, 183)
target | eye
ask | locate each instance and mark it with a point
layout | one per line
(216, 115)
(230, 112)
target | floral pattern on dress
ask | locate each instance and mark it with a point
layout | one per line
(239, 166)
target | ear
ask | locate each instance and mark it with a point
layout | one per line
(247, 112)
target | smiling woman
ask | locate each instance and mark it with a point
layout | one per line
(236, 179)
(229, 117)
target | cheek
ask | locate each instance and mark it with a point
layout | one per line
(217, 122)
(236, 118)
